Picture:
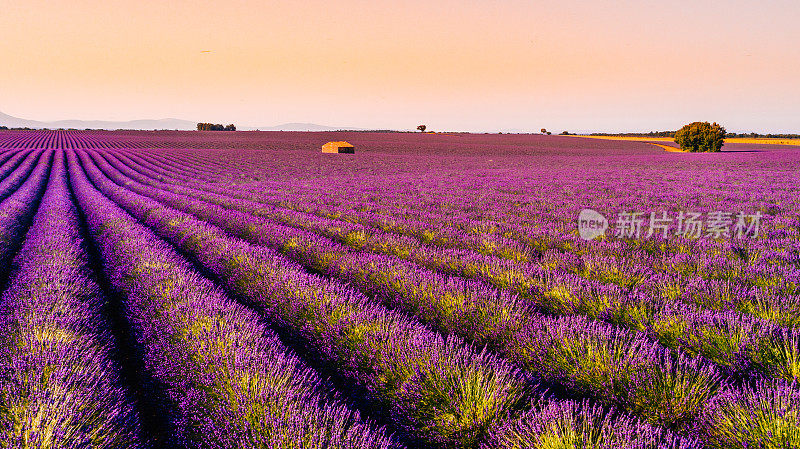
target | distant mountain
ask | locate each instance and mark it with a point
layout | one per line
(514, 131)
(148, 124)
(299, 127)
(167, 123)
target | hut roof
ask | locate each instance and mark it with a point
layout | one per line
(338, 147)
(340, 143)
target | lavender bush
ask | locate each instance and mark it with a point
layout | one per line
(232, 380)
(60, 388)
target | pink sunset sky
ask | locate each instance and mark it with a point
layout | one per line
(454, 65)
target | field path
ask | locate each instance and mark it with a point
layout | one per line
(669, 148)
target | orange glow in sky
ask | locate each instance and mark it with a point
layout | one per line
(474, 65)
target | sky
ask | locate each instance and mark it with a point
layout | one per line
(465, 65)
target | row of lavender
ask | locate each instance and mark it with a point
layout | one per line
(59, 388)
(441, 391)
(755, 276)
(228, 379)
(59, 139)
(56, 423)
(488, 200)
(225, 376)
(737, 342)
(698, 381)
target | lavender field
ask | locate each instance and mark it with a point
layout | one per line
(244, 290)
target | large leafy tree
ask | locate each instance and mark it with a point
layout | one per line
(700, 137)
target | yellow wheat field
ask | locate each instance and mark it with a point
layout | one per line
(635, 139)
(764, 140)
(757, 140)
